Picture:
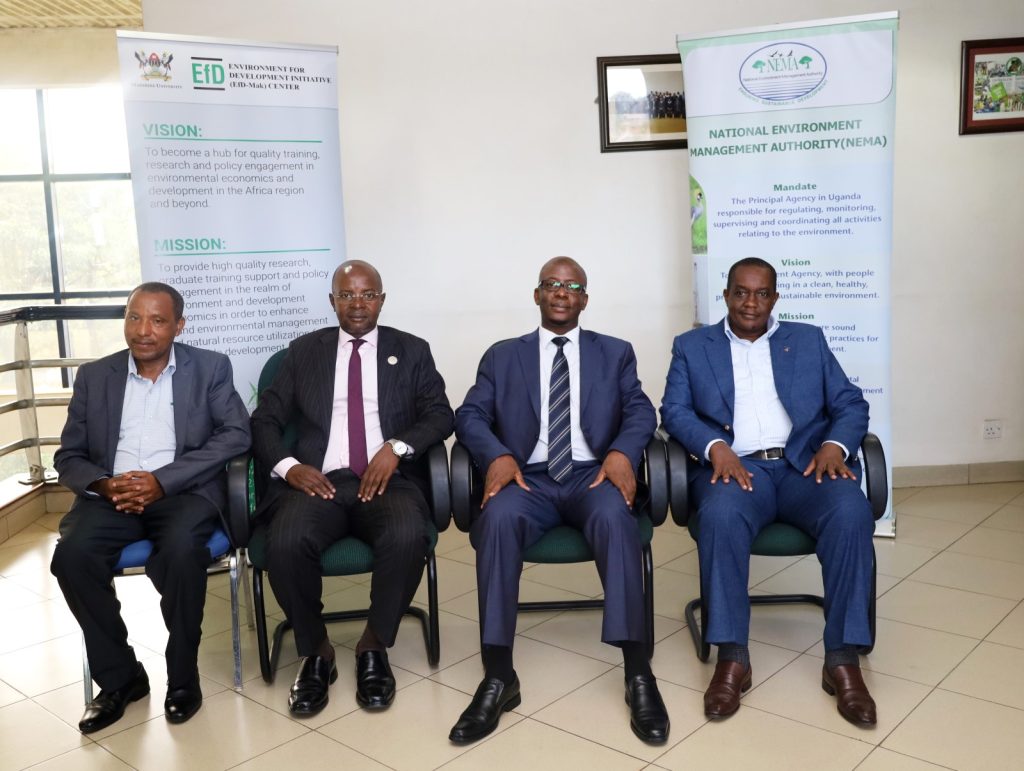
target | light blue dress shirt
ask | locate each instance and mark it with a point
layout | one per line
(146, 440)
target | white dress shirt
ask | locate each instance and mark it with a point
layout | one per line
(146, 440)
(759, 420)
(580, 449)
(337, 453)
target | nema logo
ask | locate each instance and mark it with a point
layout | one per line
(781, 72)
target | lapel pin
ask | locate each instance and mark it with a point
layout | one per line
(786, 349)
(392, 360)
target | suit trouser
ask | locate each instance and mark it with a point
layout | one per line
(514, 519)
(835, 513)
(92, 536)
(301, 527)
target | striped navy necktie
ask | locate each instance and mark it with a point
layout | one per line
(559, 417)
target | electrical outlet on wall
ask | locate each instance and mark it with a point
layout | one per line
(992, 428)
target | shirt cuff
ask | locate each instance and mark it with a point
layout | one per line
(707, 450)
(283, 467)
(840, 445)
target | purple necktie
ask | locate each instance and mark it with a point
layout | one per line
(356, 419)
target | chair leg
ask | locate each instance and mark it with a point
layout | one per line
(236, 637)
(86, 674)
(243, 577)
(648, 566)
(261, 625)
(698, 629)
(434, 637)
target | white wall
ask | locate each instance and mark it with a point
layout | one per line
(470, 155)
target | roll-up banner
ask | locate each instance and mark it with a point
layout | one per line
(790, 132)
(236, 174)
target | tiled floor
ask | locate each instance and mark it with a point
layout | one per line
(947, 671)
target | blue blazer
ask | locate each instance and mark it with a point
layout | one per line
(211, 424)
(818, 396)
(501, 413)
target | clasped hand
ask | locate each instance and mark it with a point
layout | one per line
(131, 491)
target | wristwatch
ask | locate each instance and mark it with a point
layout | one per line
(400, 448)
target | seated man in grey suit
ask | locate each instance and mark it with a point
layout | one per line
(364, 401)
(557, 421)
(774, 425)
(148, 434)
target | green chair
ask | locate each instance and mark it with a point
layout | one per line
(349, 556)
(778, 539)
(565, 544)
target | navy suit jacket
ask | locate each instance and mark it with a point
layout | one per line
(411, 400)
(211, 424)
(501, 413)
(818, 396)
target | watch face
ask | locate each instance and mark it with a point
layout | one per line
(401, 448)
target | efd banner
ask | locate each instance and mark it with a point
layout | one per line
(790, 132)
(236, 174)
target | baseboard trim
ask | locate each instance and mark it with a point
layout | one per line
(958, 474)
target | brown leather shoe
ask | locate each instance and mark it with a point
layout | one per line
(722, 698)
(852, 697)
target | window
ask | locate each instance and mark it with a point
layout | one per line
(67, 234)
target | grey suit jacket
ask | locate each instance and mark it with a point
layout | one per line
(211, 424)
(294, 414)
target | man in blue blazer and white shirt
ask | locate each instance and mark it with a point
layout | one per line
(558, 422)
(148, 434)
(774, 425)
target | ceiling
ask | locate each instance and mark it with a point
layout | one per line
(41, 14)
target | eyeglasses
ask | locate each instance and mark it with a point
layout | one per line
(368, 296)
(553, 285)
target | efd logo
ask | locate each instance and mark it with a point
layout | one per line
(207, 74)
(783, 72)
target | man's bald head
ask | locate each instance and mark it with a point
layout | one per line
(358, 266)
(551, 264)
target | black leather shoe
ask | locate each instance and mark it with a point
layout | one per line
(309, 691)
(647, 714)
(108, 706)
(182, 703)
(492, 697)
(375, 685)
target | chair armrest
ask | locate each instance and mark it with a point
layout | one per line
(237, 522)
(464, 508)
(678, 463)
(440, 486)
(876, 477)
(657, 479)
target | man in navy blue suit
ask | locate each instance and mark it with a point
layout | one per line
(774, 425)
(558, 421)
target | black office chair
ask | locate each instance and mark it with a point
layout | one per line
(778, 539)
(566, 544)
(349, 556)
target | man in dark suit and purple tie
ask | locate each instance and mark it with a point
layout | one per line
(364, 400)
(558, 422)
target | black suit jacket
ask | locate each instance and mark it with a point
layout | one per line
(211, 424)
(410, 394)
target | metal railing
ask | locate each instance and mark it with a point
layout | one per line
(22, 365)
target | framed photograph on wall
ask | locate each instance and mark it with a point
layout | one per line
(642, 102)
(992, 85)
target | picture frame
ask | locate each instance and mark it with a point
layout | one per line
(642, 102)
(992, 85)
